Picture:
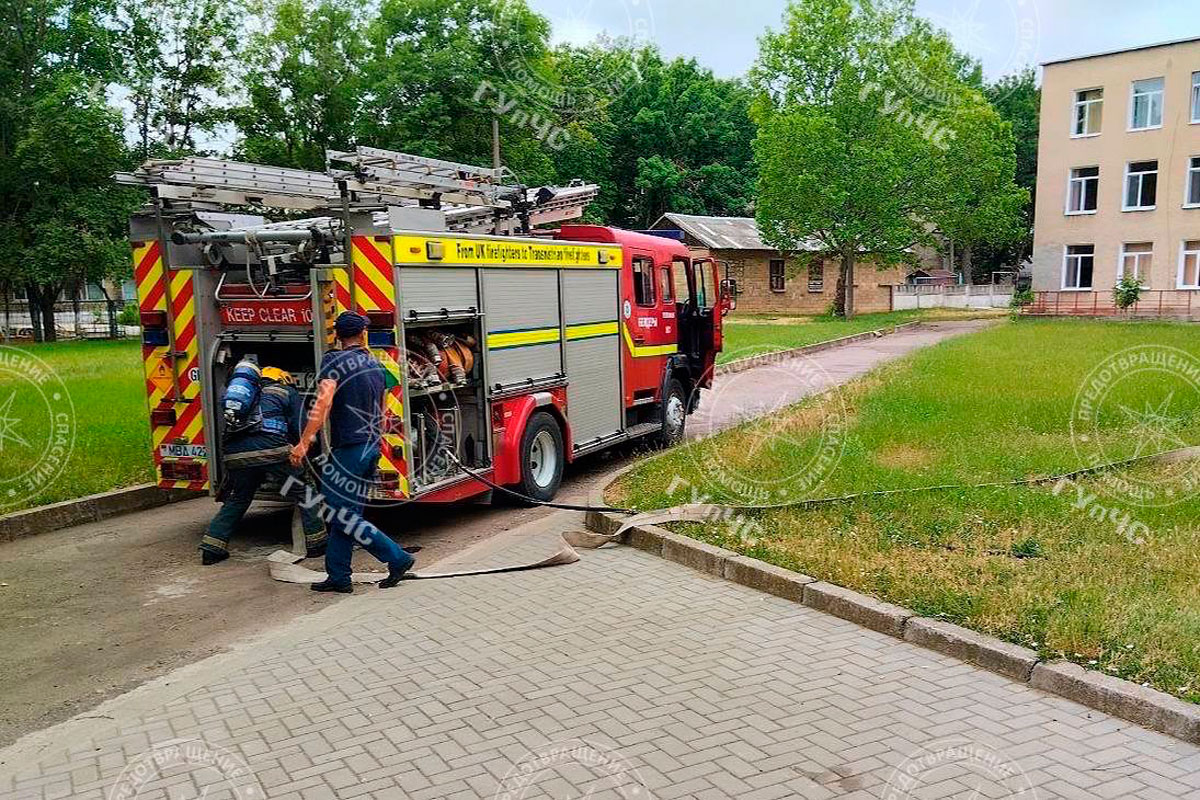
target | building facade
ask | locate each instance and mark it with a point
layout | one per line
(1119, 177)
(771, 282)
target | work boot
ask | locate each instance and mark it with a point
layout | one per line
(396, 573)
(330, 586)
(210, 557)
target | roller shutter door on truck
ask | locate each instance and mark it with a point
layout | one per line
(593, 353)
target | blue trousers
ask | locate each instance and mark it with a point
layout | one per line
(239, 494)
(345, 480)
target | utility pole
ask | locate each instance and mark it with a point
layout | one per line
(496, 161)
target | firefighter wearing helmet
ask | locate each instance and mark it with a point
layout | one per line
(262, 416)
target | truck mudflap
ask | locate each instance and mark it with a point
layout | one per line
(171, 363)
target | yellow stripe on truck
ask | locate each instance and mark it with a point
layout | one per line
(592, 330)
(455, 251)
(644, 350)
(507, 339)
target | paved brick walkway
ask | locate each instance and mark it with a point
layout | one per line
(624, 675)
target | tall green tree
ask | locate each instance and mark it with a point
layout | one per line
(180, 56)
(842, 171)
(60, 218)
(303, 82)
(873, 138)
(1018, 99)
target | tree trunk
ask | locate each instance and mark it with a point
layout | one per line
(41, 304)
(77, 311)
(7, 312)
(848, 277)
(35, 314)
(968, 259)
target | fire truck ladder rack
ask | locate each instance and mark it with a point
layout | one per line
(475, 199)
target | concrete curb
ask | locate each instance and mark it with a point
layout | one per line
(92, 508)
(743, 364)
(1149, 708)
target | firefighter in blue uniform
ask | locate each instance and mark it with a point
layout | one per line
(350, 393)
(256, 451)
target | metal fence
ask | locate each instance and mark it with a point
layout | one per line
(1166, 303)
(87, 319)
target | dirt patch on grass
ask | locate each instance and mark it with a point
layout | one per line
(905, 456)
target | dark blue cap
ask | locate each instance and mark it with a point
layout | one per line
(349, 324)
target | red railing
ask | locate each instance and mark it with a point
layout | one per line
(1177, 303)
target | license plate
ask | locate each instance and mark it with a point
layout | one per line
(183, 451)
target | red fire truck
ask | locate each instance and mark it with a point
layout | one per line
(511, 351)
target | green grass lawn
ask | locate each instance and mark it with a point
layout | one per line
(1052, 570)
(751, 335)
(112, 433)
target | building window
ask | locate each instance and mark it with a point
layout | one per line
(1192, 200)
(1189, 266)
(1089, 112)
(1083, 190)
(128, 290)
(643, 282)
(1141, 186)
(1080, 264)
(778, 275)
(816, 277)
(1146, 106)
(1137, 259)
(1196, 97)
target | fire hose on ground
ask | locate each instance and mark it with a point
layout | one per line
(285, 567)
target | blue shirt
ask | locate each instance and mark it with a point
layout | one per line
(357, 413)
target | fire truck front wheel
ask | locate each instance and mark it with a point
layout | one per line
(542, 458)
(674, 414)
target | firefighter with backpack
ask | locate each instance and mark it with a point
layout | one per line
(262, 414)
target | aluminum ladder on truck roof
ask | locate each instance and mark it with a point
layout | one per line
(477, 198)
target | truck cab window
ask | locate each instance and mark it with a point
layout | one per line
(679, 273)
(665, 286)
(643, 282)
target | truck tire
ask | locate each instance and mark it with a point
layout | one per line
(674, 414)
(542, 457)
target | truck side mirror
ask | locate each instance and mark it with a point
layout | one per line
(729, 292)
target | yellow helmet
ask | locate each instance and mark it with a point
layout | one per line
(279, 376)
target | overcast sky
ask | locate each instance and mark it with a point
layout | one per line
(1004, 34)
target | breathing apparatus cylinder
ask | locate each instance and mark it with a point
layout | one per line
(241, 395)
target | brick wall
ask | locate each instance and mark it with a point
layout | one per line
(751, 269)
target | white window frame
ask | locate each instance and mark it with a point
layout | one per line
(1196, 98)
(1162, 105)
(1066, 261)
(1141, 177)
(1193, 169)
(1183, 254)
(1142, 276)
(1071, 181)
(1087, 114)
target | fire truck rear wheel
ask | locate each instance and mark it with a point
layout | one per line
(674, 414)
(542, 457)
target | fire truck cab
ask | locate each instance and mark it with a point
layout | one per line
(508, 355)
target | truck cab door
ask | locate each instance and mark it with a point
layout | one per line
(650, 328)
(713, 300)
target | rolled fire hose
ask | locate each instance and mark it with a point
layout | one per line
(285, 565)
